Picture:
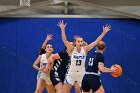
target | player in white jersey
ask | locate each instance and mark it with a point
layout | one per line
(78, 56)
(43, 80)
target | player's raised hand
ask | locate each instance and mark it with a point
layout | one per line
(49, 37)
(61, 24)
(106, 28)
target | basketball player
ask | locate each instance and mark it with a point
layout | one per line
(78, 56)
(43, 80)
(61, 62)
(91, 78)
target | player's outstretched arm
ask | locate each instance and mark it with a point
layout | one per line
(48, 38)
(93, 44)
(37, 61)
(105, 69)
(62, 27)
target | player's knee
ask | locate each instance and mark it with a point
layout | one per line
(51, 91)
(77, 91)
(59, 91)
(65, 91)
(77, 88)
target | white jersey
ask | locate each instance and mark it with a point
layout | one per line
(43, 63)
(78, 60)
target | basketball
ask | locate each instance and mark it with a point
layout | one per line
(119, 70)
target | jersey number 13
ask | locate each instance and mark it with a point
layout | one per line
(78, 62)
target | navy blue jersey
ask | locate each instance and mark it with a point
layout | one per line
(61, 65)
(93, 62)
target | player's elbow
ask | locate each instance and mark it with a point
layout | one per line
(33, 65)
(101, 68)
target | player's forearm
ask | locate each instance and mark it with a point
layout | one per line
(50, 61)
(93, 44)
(48, 64)
(48, 67)
(64, 36)
(35, 67)
(100, 38)
(104, 69)
(45, 44)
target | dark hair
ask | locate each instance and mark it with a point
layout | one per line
(65, 48)
(101, 45)
(41, 51)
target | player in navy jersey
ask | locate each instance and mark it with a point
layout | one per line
(59, 70)
(61, 62)
(91, 78)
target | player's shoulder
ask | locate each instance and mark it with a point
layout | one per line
(101, 55)
(62, 53)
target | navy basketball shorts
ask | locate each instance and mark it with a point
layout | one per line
(57, 77)
(91, 81)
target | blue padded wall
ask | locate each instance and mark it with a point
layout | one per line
(20, 39)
